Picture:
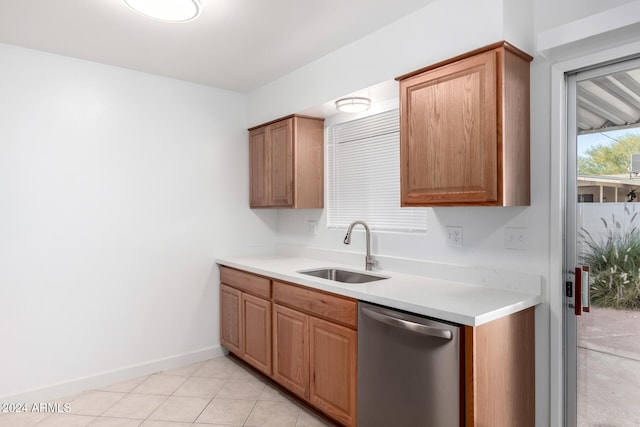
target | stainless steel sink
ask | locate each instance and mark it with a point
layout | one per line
(345, 276)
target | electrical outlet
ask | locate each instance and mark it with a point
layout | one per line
(516, 238)
(312, 227)
(454, 236)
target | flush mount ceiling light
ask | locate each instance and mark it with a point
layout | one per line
(166, 10)
(354, 104)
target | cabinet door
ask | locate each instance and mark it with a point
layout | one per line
(258, 158)
(256, 327)
(230, 320)
(333, 361)
(291, 350)
(281, 163)
(449, 136)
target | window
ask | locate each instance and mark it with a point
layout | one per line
(363, 176)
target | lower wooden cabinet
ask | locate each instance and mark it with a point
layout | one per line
(245, 317)
(316, 360)
(230, 327)
(304, 339)
(333, 369)
(291, 350)
(316, 348)
(256, 332)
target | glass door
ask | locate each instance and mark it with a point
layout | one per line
(602, 247)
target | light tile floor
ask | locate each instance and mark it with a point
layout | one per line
(218, 392)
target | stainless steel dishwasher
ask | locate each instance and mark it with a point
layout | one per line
(408, 370)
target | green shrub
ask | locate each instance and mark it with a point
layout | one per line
(614, 259)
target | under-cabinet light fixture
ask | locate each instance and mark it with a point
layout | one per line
(166, 10)
(353, 104)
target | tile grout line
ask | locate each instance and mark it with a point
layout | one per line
(166, 396)
(244, 423)
(112, 405)
(203, 409)
(211, 399)
(162, 403)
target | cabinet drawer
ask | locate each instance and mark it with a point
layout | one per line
(318, 303)
(247, 282)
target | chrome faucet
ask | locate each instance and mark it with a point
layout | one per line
(369, 261)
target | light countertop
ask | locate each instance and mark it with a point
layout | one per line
(463, 303)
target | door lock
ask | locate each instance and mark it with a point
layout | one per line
(568, 289)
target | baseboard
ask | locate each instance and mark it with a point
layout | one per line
(101, 379)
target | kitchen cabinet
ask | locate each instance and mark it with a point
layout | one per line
(315, 348)
(245, 317)
(230, 302)
(286, 163)
(291, 350)
(258, 168)
(464, 130)
(304, 339)
(256, 332)
(333, 369)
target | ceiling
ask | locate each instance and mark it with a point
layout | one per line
(609, 102)
(238, 45)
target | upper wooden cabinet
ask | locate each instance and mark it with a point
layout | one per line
(464, 130)
(286, 163)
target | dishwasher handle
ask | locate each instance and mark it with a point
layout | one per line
(407, 325)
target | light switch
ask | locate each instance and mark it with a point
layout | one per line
(516, 238)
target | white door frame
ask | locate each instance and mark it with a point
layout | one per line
(558, 161)
(572, 209)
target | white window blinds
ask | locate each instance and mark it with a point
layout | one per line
(364, 175)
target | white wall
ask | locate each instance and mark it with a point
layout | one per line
(117, 191)
(442, 29)
(553, 13)
(518, 24)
